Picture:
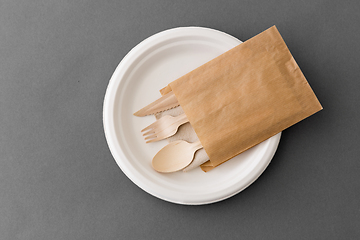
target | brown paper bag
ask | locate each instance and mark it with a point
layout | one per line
(244, 96)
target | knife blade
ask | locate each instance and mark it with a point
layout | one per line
(164, 103)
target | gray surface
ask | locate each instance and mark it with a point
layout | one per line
(58, 179)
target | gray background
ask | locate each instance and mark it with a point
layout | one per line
(58, 179)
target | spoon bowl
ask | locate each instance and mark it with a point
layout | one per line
(175, 156)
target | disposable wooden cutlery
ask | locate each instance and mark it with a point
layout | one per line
(164, 103)
(164, 127)
(175, 156)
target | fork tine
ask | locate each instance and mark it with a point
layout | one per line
(152, 126)
(148, 127)
(156, 138)
(150, 137)
(158, 122)
(153, 140)
(149, 132)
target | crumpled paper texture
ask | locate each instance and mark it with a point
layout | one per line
(245, 96)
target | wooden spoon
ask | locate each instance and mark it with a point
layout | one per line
(175, 156)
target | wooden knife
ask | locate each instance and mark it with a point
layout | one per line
(164, 103)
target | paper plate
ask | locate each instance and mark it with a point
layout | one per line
(136, 82)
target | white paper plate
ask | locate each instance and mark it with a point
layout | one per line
(136, 82)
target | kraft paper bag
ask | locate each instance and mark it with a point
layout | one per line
(245, 96)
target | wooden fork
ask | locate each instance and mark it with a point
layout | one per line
(163, 128)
